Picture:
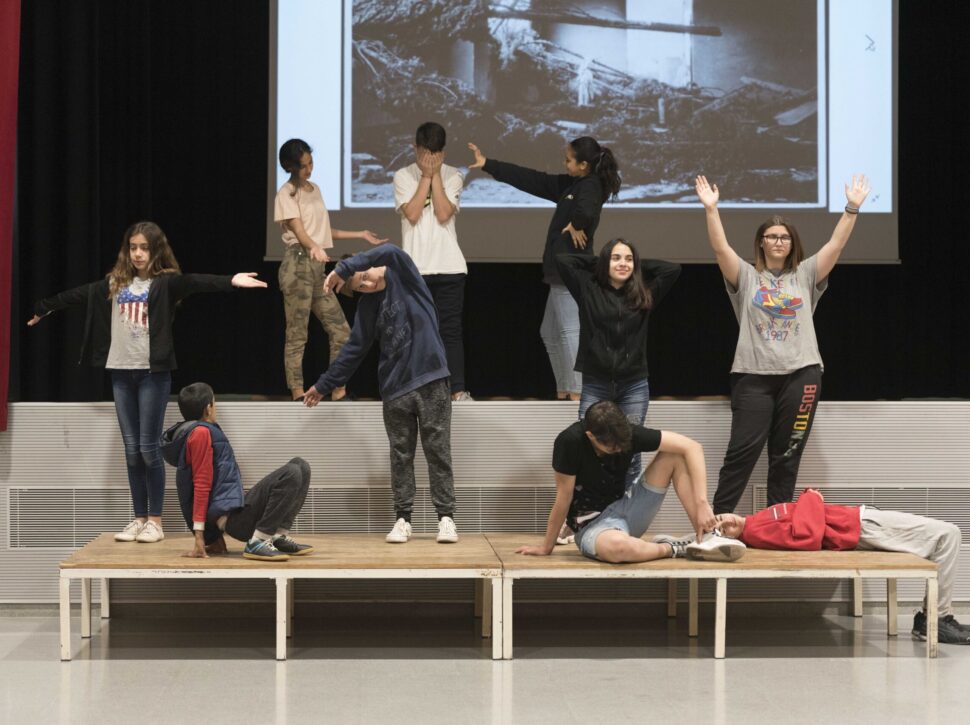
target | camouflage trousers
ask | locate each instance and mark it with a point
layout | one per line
(301, 282)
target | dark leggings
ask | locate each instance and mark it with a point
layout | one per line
(778, 409)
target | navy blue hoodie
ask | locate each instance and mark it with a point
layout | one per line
(401, 317)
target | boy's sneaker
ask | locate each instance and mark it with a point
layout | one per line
(400, 533)
(566, 536)
(150, 533)
(948, 630)
(130, 531)
(286, 545)
(672, 540)
(263, 550)
(447, 533)
(714, 547)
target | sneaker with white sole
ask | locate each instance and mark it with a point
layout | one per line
(678, 544)
(715, 547)
(130, 531)
(447, 533)
(565, 536)
(400, 533)
(151, 533)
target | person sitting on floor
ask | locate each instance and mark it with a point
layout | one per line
(211, 492)
(810, 524)
(591, 458)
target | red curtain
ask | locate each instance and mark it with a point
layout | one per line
(9, 63)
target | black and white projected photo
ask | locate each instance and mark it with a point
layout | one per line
(674, 87)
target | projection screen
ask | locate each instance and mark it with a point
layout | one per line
(779, 102)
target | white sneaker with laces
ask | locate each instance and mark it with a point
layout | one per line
(400, 533)
(679, 540)
(447, 533)
(150, 534)
(715, 547)
(130, 531)
(565, 536)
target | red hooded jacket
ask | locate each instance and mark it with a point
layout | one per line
(808, 524)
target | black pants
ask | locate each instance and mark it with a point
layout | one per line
(273, 503)
(774, 408)
(448, 292)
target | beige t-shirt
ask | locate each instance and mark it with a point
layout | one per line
(307, 205)
(432, 245)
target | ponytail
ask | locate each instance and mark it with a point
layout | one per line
(601, 162)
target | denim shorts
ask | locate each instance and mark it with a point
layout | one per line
(631, 514)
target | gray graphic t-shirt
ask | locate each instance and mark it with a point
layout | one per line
(129, 327)
(777, 333)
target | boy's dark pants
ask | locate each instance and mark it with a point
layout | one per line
(428, 410)
(273, 503)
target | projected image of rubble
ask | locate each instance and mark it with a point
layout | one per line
(674, 87)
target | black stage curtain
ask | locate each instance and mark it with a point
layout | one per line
(132, 110)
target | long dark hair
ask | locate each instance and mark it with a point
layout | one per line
(795, 254)
(601, 161)
(290, 154)
(161, 257)
(638, 295)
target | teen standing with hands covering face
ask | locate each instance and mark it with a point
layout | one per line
(776, 378)
(307, 235)
(591, 178)
(128, 331)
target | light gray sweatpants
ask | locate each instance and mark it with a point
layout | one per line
(932, 539)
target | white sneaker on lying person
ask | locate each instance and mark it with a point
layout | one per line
(715, 547)
(672, 540)
(566, 536)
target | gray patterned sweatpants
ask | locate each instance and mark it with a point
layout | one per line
(301, 281)
(426, 410)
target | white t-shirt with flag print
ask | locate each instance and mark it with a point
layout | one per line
(129, 327)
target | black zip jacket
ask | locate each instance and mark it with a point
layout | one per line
(612, 337)
(579, 201)
(166, 291)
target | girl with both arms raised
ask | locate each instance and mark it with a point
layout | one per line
(128, 331)
(591, 178)
(776, 378)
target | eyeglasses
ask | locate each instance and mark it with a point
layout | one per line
(777, 239)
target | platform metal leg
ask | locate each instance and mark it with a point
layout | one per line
(892, 609)
(932, 617)
(282, 612)
(86, 608)
(65, 616)
(496, 593)
(692, 606)
(105, 599)
(507, 618)
(290, 596)
(484, 605)
(720, 618)
(857, 597)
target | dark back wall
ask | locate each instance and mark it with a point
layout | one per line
(131, 109)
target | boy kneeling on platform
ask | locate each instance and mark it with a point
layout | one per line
(591, 458)
(810, 524)
(211, 492)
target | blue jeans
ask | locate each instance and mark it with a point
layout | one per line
(560, 334)
(140, 400)
(632, 514)
(633, 397)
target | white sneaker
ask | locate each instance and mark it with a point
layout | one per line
(565, 536)
(400, 533)
(130, 531)
(447, 533)
(680, 540)
(151, 533)
(715, 547)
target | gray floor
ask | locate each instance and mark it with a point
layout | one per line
(393, 669)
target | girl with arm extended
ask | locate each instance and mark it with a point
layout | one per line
(307, 235)
(128, 331)
(591, 178)
(776, 378)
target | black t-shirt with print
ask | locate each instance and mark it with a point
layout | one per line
(600, 480)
